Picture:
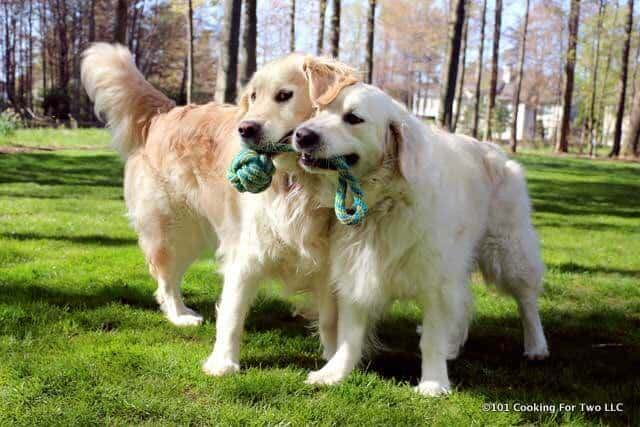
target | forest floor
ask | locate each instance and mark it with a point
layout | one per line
(82, 340)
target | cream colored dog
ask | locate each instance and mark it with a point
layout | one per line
(180, 202)
(436, 202)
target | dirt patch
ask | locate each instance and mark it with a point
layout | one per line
(17, 149)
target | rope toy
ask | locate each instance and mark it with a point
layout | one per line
(253, 171)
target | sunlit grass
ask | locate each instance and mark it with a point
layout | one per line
(57, 138)
(82, 341)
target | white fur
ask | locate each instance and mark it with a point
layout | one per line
(436, 202)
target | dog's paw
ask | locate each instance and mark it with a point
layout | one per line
(537, 354)
(433, 388)
(186, 319)
(324, 377)
(218, 367)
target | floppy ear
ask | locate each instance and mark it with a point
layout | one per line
(400, 147)
(326, 77)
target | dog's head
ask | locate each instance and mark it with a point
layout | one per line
(284, 93)
(361, 123)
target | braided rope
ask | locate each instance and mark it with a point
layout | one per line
(253, 171)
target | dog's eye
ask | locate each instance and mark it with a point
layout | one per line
(284, 95)
(352, 119)
(253, 96)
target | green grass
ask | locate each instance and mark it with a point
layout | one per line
(57, 138)
(82, 341)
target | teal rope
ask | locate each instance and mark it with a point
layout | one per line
(253, 171)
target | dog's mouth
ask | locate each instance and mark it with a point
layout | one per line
(312, 162)
(267, 148)
(285, 140)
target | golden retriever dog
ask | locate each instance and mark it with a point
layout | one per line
(179, 201)
(437, 202)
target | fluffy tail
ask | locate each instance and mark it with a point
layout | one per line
(123, 99)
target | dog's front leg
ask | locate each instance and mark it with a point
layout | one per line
(239, 291)
(352, 327)
(327, 318)
(444, 306)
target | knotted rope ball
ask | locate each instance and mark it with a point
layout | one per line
(253, 171)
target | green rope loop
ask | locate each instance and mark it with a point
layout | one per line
(253, 171)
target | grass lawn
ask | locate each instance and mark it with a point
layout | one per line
(82, 341)
(57, 138)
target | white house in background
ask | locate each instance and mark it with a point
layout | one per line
(533, 122)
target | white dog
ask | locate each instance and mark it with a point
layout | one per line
(180, 202)
(436, 203)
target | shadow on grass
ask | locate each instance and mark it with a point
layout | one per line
(591, 362)
(592, 358)
(571, 267)
(80, 240)
(584, 198)
(58, 169)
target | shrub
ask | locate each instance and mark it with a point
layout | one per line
(9, 122)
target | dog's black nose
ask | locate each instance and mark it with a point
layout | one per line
(249, 129)
(306, 138)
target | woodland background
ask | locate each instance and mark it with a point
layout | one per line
(580, 58)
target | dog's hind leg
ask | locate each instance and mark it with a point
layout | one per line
(170, 247)
(510, 258)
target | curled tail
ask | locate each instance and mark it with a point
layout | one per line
(122, 97)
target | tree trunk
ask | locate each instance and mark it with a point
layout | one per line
(516, 97)
(249, 36)
(120, 27)
(601, 104)
(456, 21)
(226, 83)
(493, 84)
(617, 134)
(182, 95)
(476, 105)
(30, 58)
(631, 146)
(562, 145)
(92, 21)
(43, 46)
(371, 29)
(320, 37)
(594, 82)
(463, 66)
(335, 29)
(292, 28)
(189, 83)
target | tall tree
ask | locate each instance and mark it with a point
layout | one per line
(371, 29)
(516, 95)
(226, 82)
(456, 21)
(335, 29)
(493, 84)
(476, 105)
(463, 68)
(249, 38)
(320, 37)
(189, 81)
(62, 104)
(590, 121)
(43, 45)
(569, 72)
(120, 26)
(292, 28)
(624, 72)
(631, 147)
